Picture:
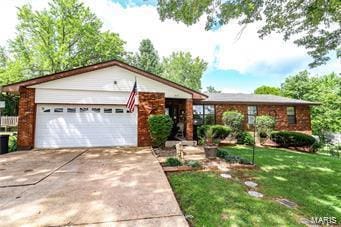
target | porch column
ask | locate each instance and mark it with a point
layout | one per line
(189, 119)
(27, 117)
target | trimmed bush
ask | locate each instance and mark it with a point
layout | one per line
(244, 138)
(292, 139)
(173, 162)
(265, 125)
(160, 127)
(234, 120)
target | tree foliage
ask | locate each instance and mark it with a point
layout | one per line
(147, 58)
(324, 89)
(63, 36)
(182, 68)
(211, 89)
(267, 90)
(315, 24)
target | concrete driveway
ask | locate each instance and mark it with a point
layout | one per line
(111, 187)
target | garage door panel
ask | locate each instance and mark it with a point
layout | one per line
(84, 129)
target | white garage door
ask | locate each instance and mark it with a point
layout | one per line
(84, 126)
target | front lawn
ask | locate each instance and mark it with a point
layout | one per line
(312, 181)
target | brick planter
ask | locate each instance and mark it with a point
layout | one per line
(177, 168)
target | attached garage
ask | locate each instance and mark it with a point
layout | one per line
(60, 126)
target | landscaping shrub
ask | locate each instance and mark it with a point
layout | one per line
(173, 162)
(160, 127)
(244, 138)
(219, 131)
(12, 143)
(265, 125)
(292, 139)
(234, 120)
(194, 164)
(231, 158)
(201, 130)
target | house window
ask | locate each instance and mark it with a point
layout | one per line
(83, 109)
(119, 111)
(198, 114)
(46, 109)
(291, 113)
(96, 110)
(209, 114)
(251, 114)
(71, 110)
(203, 114)
(107, 110)
(58, 110)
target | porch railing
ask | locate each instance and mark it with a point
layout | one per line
(9, 121)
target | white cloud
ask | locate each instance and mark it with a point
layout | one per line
(220, 48)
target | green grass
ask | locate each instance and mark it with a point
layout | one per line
(312, 181)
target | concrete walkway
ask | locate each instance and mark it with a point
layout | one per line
(111, 187)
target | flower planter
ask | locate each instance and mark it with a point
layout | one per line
(177, 168)
(211, 151)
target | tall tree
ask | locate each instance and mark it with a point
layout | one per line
(211, 89)
(267, 90)
(147, 58)
(324, 89)
(314, 23)
(63, 36)
(181, 68)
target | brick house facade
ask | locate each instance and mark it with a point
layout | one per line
(87, 107)
(303, 123)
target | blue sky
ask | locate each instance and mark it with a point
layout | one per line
(234, 64)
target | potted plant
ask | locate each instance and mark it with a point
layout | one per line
(210, 147)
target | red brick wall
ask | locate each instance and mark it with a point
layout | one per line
(149, 103)
(280, 111)
(189, 119)
(27, 116)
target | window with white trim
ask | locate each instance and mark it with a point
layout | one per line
(291, 114)
(58, 110)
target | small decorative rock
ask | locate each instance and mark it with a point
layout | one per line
(250, 184)
(225, 175)
(255, 194)
(287, 203)
(223, 168)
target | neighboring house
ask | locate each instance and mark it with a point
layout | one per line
(85, 107)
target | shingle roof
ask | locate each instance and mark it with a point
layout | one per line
(252, 98)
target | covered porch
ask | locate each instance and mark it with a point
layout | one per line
(181, 112)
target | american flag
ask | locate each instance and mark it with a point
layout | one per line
(131, 100)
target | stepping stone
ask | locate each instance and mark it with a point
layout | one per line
(287, 203)
(307, 222)
(225, 175)
(255, 194)
(250, 184)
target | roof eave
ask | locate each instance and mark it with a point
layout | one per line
(14, 88)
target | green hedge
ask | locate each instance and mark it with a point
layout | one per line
(244, 138)
(160, 127)
(292, 139)
(219, 131)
